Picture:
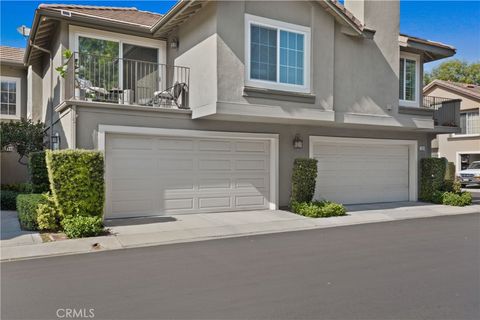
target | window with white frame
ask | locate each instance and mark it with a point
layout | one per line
(10, 97)
(277, 54)
(470, 122)
(409, 79)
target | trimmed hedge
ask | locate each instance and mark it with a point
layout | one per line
(432, 177)
(81, 226)
(8, 200)
(452, 198)
(37, 168)
(303, 179)
(9, 193)
(27, 205)
(48, 217)
(76, 180)
(317, 209)
(18, 187)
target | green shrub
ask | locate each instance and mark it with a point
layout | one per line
(8, 200)
(76, 180)
(432, 176)
(303, 179)
(318, 209)
(48, 217)
(437, 197)
(452, 186)
(27, 205)
(81, 226)
(457, 199)
(37, 168)
(18, 187)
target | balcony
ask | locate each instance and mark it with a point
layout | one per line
(103, 79)
(446, 113)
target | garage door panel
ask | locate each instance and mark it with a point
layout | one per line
(214, 202)
(174, 144)
(215, 145)
(215, 164)
(186, 175)
(361, 173)
(132, 143)
(178, 204)
(251, 147)
(249, 201)
(132, 206)
(216, 184)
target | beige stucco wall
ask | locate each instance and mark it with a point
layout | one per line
(447, 145)
(12, 171)
(467, 103)
(17, 72)
(357, 78)
(89, 118)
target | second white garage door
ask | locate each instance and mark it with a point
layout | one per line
(155, 175)
(353, 171)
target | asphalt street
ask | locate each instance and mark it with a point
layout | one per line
(412, 269)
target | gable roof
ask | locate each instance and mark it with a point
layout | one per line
(118, 14)
(467, 89)
(150, 24)
(11, 55)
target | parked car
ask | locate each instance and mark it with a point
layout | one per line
(471, 175)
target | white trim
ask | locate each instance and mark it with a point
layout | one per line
(458, 161)
(273, 139)
(418, 88)
(279, 25)
(18, 97)
(412, 155)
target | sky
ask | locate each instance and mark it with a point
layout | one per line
(455, 23)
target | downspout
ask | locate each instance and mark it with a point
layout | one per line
(51, 89)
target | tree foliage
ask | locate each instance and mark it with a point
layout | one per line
(455, 70)
(24, 136)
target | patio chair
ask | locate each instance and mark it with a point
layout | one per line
(172, 94)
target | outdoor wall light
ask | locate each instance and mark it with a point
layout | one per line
(56, 141)
(174, 43)
(297, 142)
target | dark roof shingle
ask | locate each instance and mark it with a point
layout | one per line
(466, 88)
(11, 54)
(118, 14)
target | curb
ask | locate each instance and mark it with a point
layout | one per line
(114, 242)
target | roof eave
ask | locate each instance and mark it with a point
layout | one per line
(458, 90)
(432, 51)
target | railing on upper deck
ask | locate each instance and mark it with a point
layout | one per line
(123, 81)
(447, 111)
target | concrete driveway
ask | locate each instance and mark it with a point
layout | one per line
(140, 232)
(11, 234)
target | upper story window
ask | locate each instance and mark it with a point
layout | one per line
(409, 80)
(470, 122)
(277, 54)
(10, 98)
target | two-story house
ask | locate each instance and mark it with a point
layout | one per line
(13, 90)
(461, 148)
(205, 108)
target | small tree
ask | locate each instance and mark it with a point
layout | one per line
(23, 136)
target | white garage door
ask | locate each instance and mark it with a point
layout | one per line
(356, 172)
(155, 175)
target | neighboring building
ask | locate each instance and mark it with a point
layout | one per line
(13, 77)
(205, 108)
(464, 147)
